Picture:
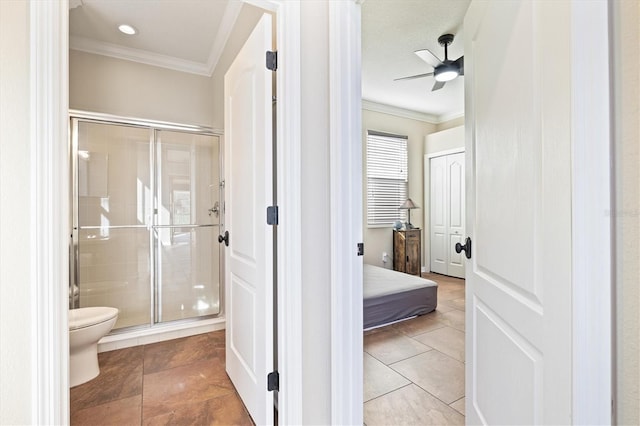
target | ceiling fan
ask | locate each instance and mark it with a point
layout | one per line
(443, 71)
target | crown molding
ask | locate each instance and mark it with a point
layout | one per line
(399, 112)
(84, 44)
(231, 13)
(451, 116)
(410, 114)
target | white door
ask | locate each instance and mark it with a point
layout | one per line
(248, 192)
(519, 299)
(447, 213)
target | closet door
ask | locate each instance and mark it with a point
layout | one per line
(438, 215)
(447, 213)
(455, 213)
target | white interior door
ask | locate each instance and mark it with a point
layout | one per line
(447, 213)
(248, 192)
(438, 208)
(455, 213)
(519, 299)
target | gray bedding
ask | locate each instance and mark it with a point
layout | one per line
(390, 296)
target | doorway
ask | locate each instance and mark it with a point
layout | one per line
(146, 215)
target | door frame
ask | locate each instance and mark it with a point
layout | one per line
(49, 210)
(50, 203)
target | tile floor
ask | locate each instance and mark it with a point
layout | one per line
(414, 370)
(177, 382)
(413, 374)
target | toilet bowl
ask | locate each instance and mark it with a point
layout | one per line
(86, 327)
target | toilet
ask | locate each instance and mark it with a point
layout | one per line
(86, 327)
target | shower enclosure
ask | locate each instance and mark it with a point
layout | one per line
(146, 216)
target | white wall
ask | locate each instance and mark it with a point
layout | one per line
(434, 144)
(108, 85)
(16, 330)
(316, 207)
(379, 240)
(454, 122)
(627, 218)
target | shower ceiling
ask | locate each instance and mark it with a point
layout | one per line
(190, 35)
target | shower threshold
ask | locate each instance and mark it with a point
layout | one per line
(159, 333)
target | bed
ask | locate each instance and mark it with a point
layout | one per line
(391, 296)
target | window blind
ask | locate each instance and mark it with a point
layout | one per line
(387, 177)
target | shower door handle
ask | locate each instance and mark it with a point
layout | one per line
(215, 209)
(225, 238)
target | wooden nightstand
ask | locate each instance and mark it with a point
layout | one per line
(407, 251)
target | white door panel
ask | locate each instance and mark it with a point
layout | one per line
(248, 191)
(517, 83)
(455, 212)
(438, 216)
(447, 213)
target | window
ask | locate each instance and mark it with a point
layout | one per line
(386, 178)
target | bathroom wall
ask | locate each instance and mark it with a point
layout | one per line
(114, 86)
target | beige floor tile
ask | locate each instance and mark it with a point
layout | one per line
(447, 340)
(454, 303)
(380, 379)
(419, 325)
(444, 307)
(444, 295)
(459, 406)
(438, 374)
(409, 405)
(454, 318)
(391, 346)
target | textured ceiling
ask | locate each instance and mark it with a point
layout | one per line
(189, 35)
(391, 31)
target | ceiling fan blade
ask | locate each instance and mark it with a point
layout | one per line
(427, 56)
(460, 64)
(438, 85)
(411, 77)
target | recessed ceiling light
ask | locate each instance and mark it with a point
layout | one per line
(127, 29)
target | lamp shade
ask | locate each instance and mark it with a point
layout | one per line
(409, 204)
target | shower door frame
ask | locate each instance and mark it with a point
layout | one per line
(153, 126)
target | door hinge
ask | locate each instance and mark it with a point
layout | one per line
(272, 215)
(272, 60)
(360, 249)
(273, 381)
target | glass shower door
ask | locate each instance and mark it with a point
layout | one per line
(186, 225)
(111, 219)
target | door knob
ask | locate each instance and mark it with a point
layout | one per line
(225, 238)
(466, 247)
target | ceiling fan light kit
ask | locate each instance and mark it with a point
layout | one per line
(443, 71)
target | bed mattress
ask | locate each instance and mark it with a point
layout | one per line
(390, 296)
